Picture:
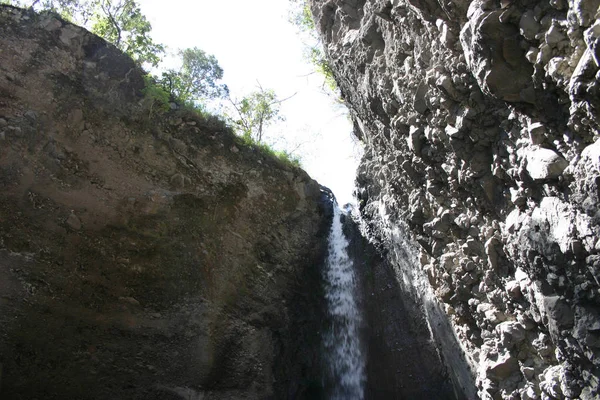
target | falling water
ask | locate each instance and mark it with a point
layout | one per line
(343, 353)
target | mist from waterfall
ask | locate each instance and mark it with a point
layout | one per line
(343, 354)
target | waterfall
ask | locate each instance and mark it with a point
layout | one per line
(344, 359)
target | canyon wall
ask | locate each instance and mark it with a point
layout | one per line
(143, 254)
(401, 360)
(481, 178)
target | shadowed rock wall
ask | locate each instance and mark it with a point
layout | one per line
(480, 177)
(402, 361)
(143, 255)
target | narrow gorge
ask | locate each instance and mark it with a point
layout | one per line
(153, 254)
(480, 178)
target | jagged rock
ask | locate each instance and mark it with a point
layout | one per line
(537, 132)
(587, 326)
(419, 101)
(545, 164)
(15, 131)
(511, 333)
(180, 181)
(528, 26)
(592, 40)
(583, 12)
(415, 140)
(590, 156)
(501, 367)
(560, 314)
(551, 382)
(526, 174)
(554, 35)
(30, 115)
(492, 52)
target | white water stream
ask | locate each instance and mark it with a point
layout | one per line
(344, 356)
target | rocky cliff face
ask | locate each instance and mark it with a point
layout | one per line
(481, 178)
(401, 360)
(143, 255)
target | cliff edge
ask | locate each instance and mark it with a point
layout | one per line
(143, 255)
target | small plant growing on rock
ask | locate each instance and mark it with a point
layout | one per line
(156, 99)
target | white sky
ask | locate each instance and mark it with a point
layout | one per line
(253, 41)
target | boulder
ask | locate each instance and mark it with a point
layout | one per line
(494, 57)
(545, 164)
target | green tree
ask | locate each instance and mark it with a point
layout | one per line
(197, 79)
(301, 16)
(256, 111)
(122, 23)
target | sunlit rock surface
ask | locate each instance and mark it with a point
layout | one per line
(480, 178)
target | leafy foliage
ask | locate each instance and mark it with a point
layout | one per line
(156, 98)
(197, 79)
(301, 16)
(256, 111)
(122, 23)
(283, 155)
(66, 8)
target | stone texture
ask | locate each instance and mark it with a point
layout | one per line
(545, 164)
(497, 127)
(140, 258)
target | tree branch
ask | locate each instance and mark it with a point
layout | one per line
(242, 120)
(108, 12)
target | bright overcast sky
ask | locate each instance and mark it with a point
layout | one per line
(254, 42)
